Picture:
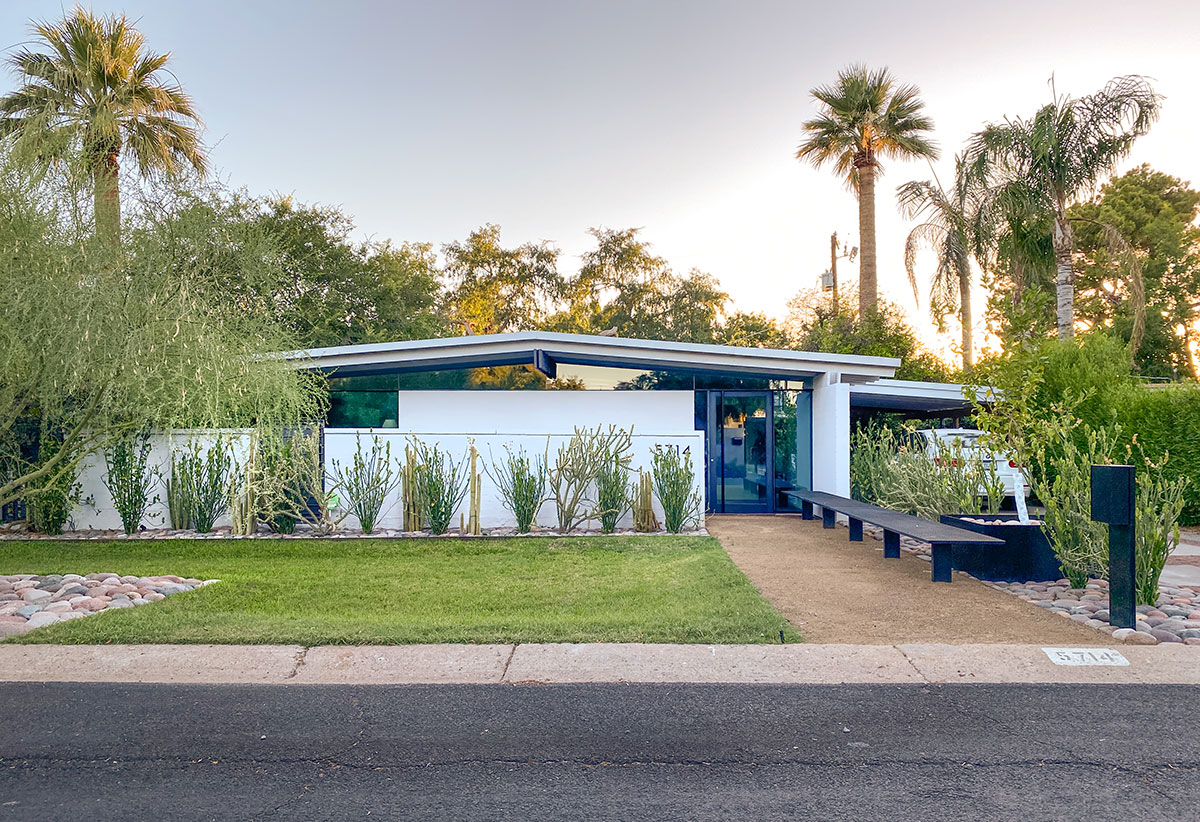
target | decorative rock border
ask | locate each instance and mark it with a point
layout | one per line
(304, 532)
(1175, 617)
(29, 601)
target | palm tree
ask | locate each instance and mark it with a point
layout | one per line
(866, 117)
(1044, 164)
(98, 95)
(947, 220)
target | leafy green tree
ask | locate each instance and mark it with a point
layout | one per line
(883, 332)
(866, 117)
(1042, 165)
(947, 224)
(624, 288)
(1156, 214)
(492, 289)
(98, 95)
(99, 340)
(330, 290)
(752, 330)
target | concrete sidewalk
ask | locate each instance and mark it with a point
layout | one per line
(563, 663)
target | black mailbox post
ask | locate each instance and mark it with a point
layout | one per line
(1114, 490)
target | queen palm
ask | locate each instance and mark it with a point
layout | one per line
(866, 117)
(1042, 165)
(98, 95)
(947, 224)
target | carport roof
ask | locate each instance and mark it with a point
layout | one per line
(918, 397)
(544, 350)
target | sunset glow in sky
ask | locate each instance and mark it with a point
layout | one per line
(426, 120)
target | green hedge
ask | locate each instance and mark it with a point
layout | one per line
(1167, 420)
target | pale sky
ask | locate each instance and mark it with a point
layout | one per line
(425, 120)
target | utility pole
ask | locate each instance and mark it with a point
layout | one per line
(830, 280)
(833, 249)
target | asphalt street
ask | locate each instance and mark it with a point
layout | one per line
(598, 752)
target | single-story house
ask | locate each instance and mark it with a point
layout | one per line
(757, 421)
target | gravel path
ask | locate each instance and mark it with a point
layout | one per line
(29, 601)
(834, 590)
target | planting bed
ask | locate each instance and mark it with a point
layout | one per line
(29, 601)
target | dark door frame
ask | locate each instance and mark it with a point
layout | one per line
(715, 447)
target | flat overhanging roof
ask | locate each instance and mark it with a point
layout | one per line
(910, 395)
(544, 350)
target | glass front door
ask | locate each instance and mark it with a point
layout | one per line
(741, 447)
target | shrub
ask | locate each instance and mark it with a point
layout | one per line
(197, 490)
(613, 496)
(1160, 499)
(887, 470)
(576, 466)
(128, 480)
(521, 482)
(1165, 421)
(441, 485)
(49, 509)
(675, 482)
(368, 482)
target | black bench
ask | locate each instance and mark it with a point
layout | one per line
(943, 538)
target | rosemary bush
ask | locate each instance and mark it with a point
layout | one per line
(368, 482)
(441, 485)
(521, 481)
(128, 480)
(675, 484)
(613, 496)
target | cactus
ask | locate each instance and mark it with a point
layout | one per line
(475, 489)
(643, 505)
(413, 509)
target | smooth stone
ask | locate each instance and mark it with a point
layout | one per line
(32, 595)
(124, 603)
(43, 619)
(1080, 618)
(1191, 641)
(1164, 636)
(1104, 615)
(1155, 621)
(28, 611)
(1190, 633)
(1138, 638)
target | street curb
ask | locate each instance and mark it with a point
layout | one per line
(529, 664)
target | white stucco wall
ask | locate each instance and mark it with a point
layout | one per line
(96, 507)
(831, 435)
(522, 419)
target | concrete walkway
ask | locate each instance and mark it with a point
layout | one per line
(837, 591)
(562, 663)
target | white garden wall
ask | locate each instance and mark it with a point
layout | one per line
(96, 508)
(522, 419)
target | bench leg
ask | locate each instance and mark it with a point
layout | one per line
(891, 545)
(855, 530)
(943, 562)
(806, 509)
(828, 518)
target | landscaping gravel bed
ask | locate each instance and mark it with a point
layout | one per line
(1175, 617)
(29, 601)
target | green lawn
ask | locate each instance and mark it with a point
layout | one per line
(310, 592)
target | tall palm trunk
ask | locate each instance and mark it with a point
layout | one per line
(868, 284)
(1064, 281)
(968, 337)
(106, 195)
